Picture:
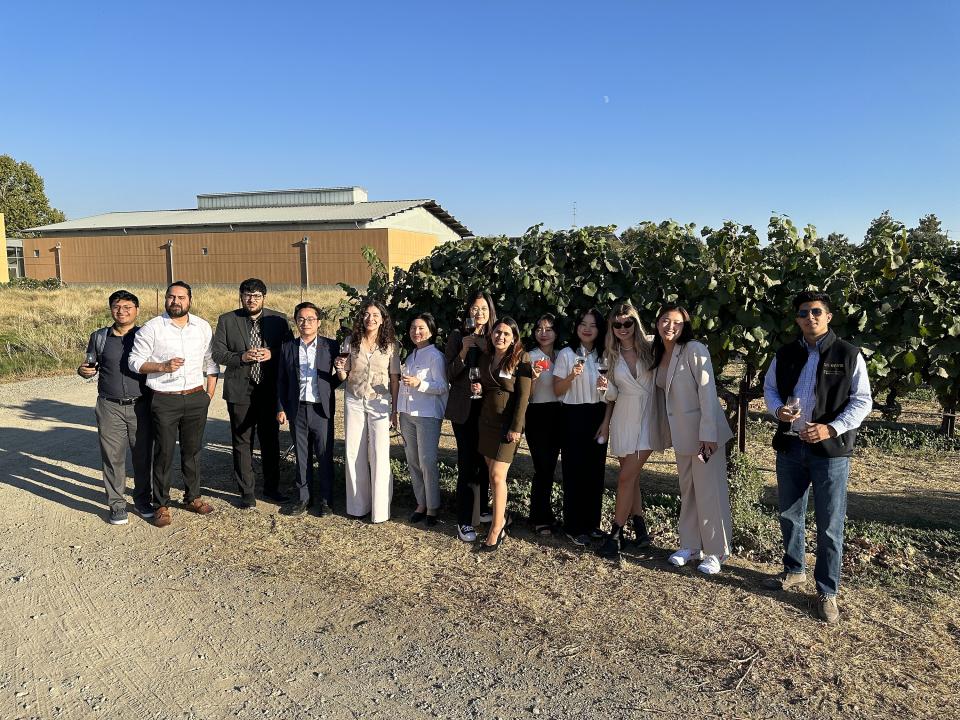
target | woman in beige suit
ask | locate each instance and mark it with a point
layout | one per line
(698, 431)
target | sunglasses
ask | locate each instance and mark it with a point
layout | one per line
(625, 325)
(816, 312)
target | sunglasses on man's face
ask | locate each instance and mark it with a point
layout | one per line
(816, 312)
(625, 325)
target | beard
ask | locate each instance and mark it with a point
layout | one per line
(177, 312)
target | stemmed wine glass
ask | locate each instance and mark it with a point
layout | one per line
(602, 368)
(581, 356)
(793, 406)
(474, 376)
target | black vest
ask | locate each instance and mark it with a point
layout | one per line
(838, 360)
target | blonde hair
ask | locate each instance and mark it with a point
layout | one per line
(641, 344)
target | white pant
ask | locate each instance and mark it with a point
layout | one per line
(704, 504)
(367, 440)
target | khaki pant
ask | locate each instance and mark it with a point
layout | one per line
(704, 504)
(367, 440)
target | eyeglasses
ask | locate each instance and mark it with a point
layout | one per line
(306, 320)
(816, 312)
(544, 329)
(625, 325)
(252, 296)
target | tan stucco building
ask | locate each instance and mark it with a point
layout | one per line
(286, 237)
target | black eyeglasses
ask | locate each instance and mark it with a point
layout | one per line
(816, 312)
(626, 324)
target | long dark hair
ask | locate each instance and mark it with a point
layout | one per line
(601, 322)
(686, 335)
(512, 357)
(385, 335)
(492, 317)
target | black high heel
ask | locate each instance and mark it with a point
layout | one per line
(496, 546)
(643, 538)
(613, 544)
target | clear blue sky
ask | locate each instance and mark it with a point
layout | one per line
(505, 112)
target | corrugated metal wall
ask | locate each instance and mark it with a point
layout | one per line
(274, 257)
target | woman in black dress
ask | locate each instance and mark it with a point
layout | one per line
(463, 351)
(505, 379)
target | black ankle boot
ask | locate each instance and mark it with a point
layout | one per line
(640, 531)
(612, 545)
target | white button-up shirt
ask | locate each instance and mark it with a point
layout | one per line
(583, 388)
(429, 398)
(309, 383)
(160, 339)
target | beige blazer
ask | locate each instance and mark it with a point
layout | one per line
(693, 409)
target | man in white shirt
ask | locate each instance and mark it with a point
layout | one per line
(173, 351)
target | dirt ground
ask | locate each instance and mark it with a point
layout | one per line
(257, 615)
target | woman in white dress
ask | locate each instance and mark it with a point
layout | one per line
(629, 395)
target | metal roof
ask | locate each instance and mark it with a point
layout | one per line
(356, 212)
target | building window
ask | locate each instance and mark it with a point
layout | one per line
(204, 251)
(15, 262)
(36, 253)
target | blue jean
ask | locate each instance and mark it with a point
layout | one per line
(421, 439)
(798, 468)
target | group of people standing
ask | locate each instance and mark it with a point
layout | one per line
(614, 389)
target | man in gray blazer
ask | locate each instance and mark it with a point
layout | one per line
(247, 342)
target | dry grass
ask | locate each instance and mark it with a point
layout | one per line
(45, 332)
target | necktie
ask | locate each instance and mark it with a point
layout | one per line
(256, 372)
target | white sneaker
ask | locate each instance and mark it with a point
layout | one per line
(710, 565)
(466, 533)
(684, 555)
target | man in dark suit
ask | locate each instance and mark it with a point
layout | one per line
(305, 385)
(247, 342)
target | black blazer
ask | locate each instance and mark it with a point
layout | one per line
(288, 377)
(232, 339)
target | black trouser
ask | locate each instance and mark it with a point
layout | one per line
(583, 462)
(258, 413)
(313, 438)
(174, 416)
(544, 443)
(472, 475)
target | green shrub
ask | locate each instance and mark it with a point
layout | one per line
(26, 283)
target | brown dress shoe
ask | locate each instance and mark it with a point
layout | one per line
(200, 507)
(161, 518)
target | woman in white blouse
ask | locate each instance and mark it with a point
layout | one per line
(372, 372)
(422, 401)
(543, 411)
(583, 444)
(628, 392)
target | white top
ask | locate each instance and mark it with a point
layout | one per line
(543, 385)
(309, 382)
(160, 340)
(631, 423)
(429, 398)
(583, 389)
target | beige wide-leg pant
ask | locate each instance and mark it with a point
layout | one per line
(704, 504)
(367, 440)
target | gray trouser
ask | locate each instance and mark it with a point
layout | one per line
(121, 427)
(421, 438)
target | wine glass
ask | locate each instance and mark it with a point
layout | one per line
(793, 405)
(474, 376)
(581, 356)
(470, 324)
(91, 359)
(345, 348)
(602, 368)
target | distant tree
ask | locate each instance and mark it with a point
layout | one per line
(22, 198)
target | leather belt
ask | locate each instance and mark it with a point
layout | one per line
(191, 391)
(123, 401)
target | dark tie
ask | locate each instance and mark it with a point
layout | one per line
(256, 372)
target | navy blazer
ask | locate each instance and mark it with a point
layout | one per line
(288, 377)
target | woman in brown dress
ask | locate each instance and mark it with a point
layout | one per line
(505, 379)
